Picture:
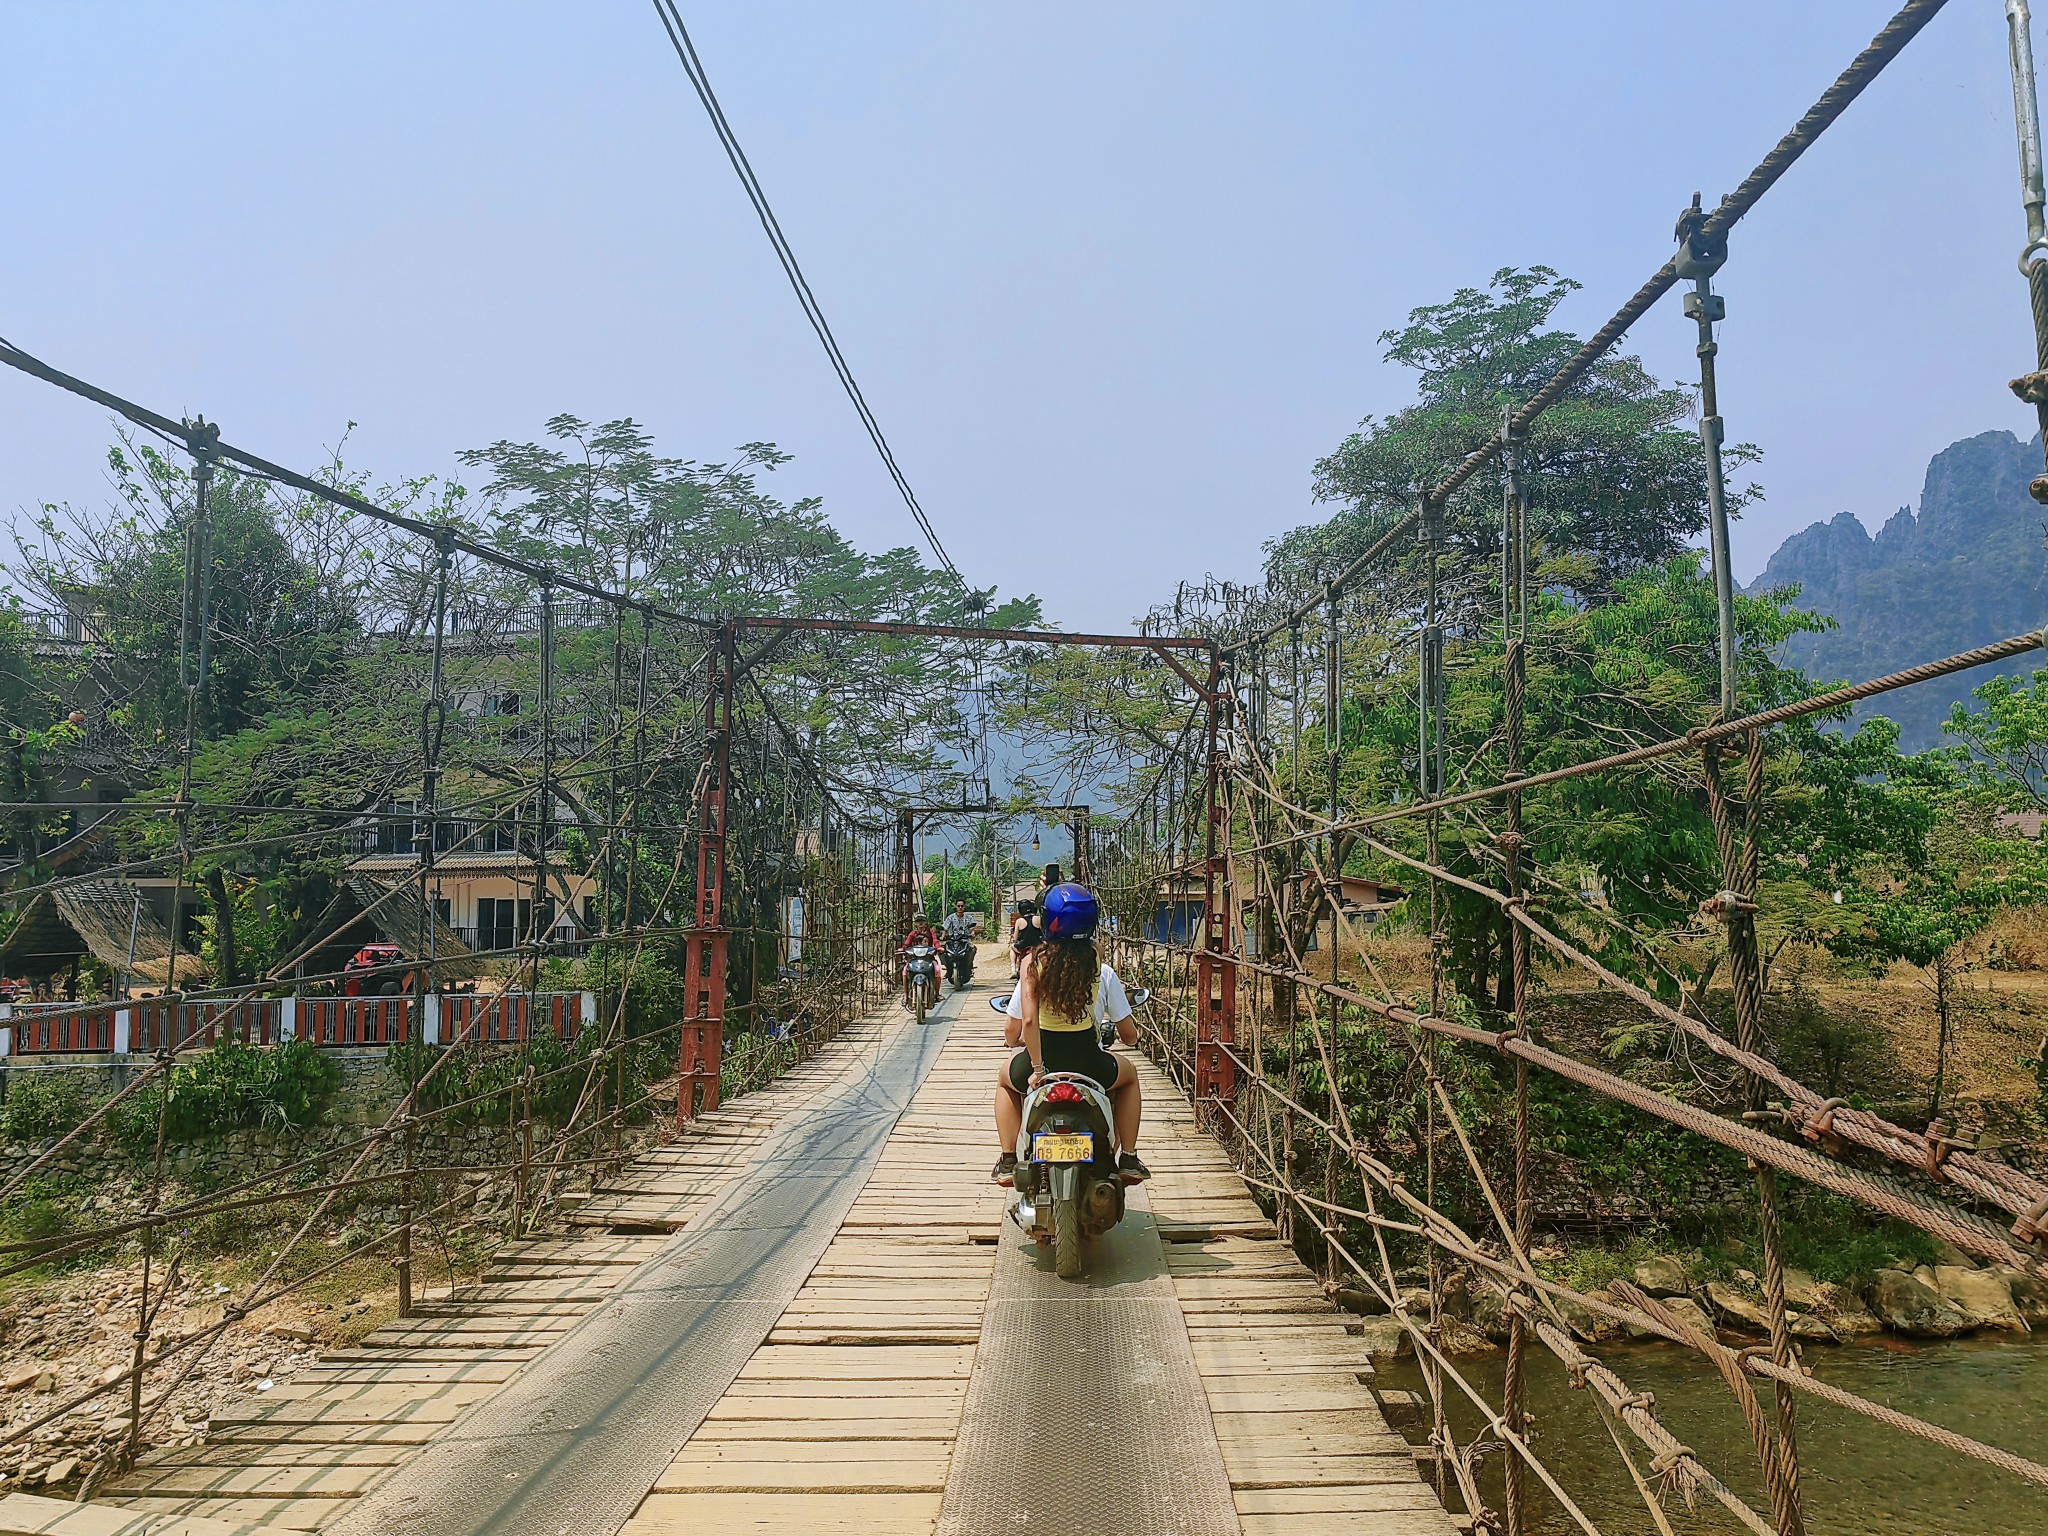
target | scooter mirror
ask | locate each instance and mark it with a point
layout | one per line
(1140, 996)
(1000, 1004)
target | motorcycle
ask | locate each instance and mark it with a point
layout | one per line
(920, 978)
(959, 956)
(1069, 1188)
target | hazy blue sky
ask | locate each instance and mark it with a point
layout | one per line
(1111, 274)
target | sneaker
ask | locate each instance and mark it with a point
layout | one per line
(1005, 1169)
(1133, 1171)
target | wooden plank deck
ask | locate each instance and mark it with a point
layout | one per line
(845, 1418)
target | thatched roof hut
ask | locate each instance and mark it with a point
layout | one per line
(110, 920)
(364, 909)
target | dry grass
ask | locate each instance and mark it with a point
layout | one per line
(1999, 1016)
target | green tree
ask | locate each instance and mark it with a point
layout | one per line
(2007, 740)
(1616, 473)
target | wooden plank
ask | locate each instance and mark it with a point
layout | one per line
(780, 1514)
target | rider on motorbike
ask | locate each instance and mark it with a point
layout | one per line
(920, 933)
(1064, 993)
(958, 930)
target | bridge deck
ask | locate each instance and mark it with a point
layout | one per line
(848, 1414)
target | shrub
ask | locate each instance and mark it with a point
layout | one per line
(40, 1104)
(233, 1087)
(484, 1081)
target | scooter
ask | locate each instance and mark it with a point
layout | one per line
(959, 956)
(1069, 1189)
(921, 978)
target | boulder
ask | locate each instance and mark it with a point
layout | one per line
(1462, 1338)
(1384, 1336)
(1801, 1290)
(1948, 1256)
(23, 1375)
(1585, 1322)
(1687, 1311)
(1660, 1275)
(1734, 1309)
(1360, 1303)
(1489, 1315)
(1906, 1304)
(1982, 1295)
(2028, 1294)
(1843, 1311)
(1805, 1325)
(1458, 1294)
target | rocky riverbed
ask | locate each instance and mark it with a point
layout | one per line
(60, 1340)
(1948, 1299)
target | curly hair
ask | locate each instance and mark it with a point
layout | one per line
(1065, 976)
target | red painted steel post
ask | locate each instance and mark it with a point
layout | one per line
(1216, 965)
(703, 1029)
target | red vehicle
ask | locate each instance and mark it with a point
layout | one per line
(374, 971)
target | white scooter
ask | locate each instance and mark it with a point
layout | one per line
(1069, 1187)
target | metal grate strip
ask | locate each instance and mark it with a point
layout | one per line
(1085, 1414)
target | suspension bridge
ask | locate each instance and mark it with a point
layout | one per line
(770, 1285)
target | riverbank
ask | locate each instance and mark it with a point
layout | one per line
(1858, 1477)
(1950, 1298)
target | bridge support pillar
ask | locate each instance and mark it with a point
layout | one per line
(704, 946)
(1215, 1029)
(1216, 965)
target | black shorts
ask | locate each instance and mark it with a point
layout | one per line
(1066, 1050)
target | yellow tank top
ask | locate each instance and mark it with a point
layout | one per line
(1060, 1023)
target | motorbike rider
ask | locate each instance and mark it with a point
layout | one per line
(1064, 993)
(920, 933)
(1024, 932)
(958, 924)
(957, 921)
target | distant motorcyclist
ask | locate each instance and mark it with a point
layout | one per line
(1024, 932)
(958, 948)
(958, 921)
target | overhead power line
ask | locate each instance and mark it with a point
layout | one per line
(679, 35)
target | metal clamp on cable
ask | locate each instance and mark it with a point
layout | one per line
(2031, 387)
(1722, 906)
(202, 439)
(1820, 1129)
(1699, 255)
(1940, 1146)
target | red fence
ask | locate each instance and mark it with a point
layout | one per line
(146, 1026)
(511, 1016)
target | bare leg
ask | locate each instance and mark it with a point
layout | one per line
(1124, 1105)
(1009, 1113)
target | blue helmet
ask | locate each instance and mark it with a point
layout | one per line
(1070, 911)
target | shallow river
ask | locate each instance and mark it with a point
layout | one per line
(1859, 1477)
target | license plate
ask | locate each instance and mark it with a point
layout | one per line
(1063, 1149)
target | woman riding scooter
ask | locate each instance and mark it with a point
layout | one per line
(1063, 994)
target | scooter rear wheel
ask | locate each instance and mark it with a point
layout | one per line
(1066, 1238)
